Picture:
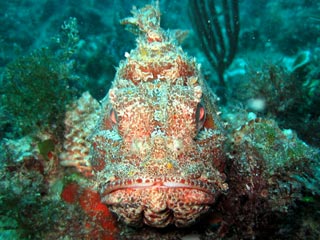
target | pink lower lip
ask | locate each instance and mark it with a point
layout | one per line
(159, 183)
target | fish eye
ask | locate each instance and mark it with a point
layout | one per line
(200, 116)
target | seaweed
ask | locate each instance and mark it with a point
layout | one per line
(37, 87)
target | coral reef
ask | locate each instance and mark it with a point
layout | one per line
(287, 92)
(262, 169)
(157, 158)
(264, 187)
(30, 186)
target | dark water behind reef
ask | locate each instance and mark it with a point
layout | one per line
(53, 51)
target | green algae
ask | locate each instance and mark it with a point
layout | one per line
(36, 91)
(38, 86)
(45, 147)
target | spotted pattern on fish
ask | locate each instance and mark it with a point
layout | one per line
(154, 147)
(157, 150)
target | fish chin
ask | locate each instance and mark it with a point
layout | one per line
(159, 202)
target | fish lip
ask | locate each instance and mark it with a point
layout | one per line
(163, 182)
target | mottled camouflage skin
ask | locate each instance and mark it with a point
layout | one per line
(157, 150)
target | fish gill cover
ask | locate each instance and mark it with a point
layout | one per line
(221, 146)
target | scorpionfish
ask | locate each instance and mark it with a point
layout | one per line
(156, 153)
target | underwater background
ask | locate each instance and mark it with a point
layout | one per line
(266, 67)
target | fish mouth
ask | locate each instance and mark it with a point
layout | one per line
(159, 202)
(163, 182)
